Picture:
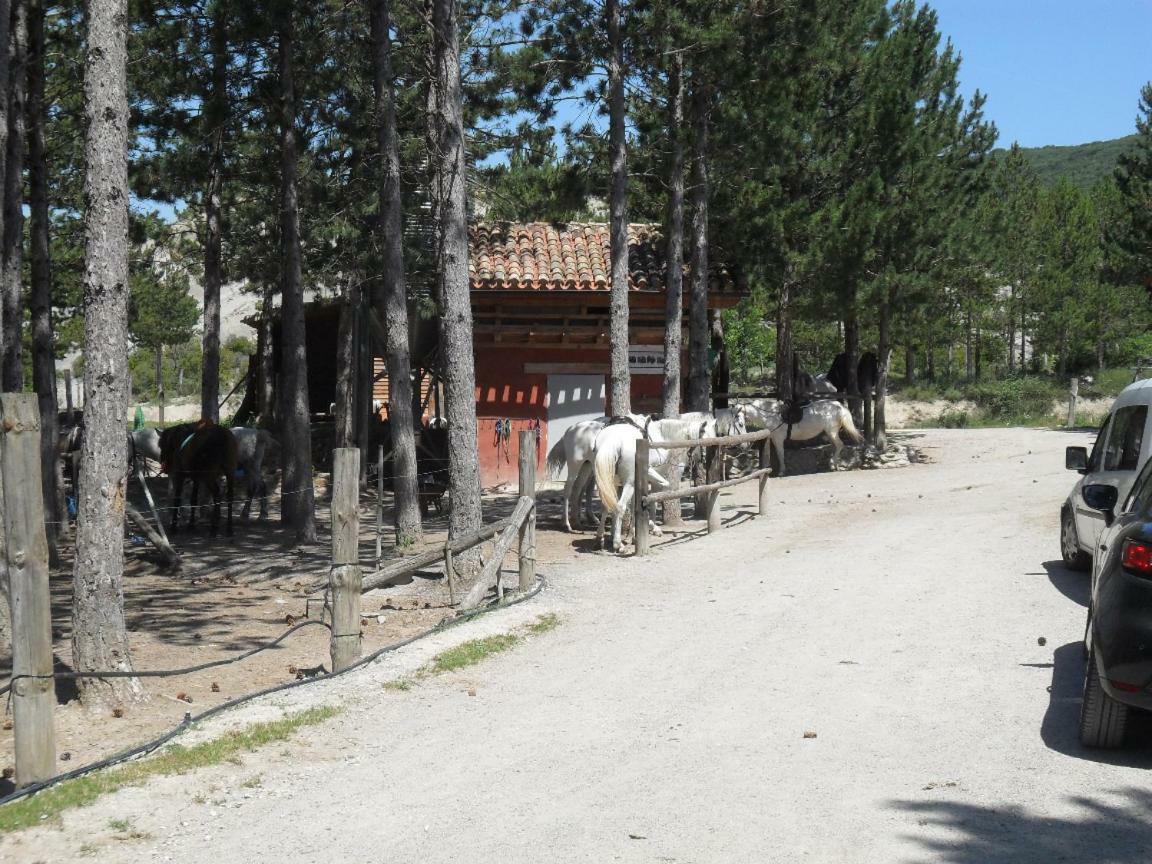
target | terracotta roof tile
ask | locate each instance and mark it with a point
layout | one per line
(542, 256)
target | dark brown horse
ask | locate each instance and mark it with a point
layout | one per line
(201, 452)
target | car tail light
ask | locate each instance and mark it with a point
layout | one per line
(1137, 558)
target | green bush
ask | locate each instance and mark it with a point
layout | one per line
(1014, 398)
(953, 419)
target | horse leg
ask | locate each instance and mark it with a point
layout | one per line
(177, 489)
(778, 446)
(230, 490)
(837, 447)
(194, 505)
(569, 482)
(213, 489)
(622, 511)
(251, 485)
(263, 497)
(600, 530)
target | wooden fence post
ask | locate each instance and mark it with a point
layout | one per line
(1073, 394)
(26, 549)
(345, 579)
(765, 463)
(715, 470)
(639, 510)
(528, 490)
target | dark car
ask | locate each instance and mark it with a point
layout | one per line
(1118, 639)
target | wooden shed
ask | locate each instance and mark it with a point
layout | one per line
(540, 303)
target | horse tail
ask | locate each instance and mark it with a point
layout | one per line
(604, 467)
(848, 426)
(556, 459)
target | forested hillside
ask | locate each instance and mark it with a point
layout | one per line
(1083, 165)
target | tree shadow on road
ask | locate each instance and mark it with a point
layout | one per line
(1110, 829)
(1073, 584)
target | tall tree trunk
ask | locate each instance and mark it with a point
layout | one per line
(40, 298)
(721, 378)
(9, 322)
(969, 373)
(99, 636)
(884, 357)
(674, 257)
(699, 380)
(1012, 330)
(11, 268)
(1062, 354)
(297, 506)
(1023, 336)
(160, 383)
(268, 408)
(909, 363)
(216, 120)
(674, 264)
(852, 349)
(458, 360)
(620, 376)
(391, 300)
(345, 420)
(784, 337)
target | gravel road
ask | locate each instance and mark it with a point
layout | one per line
(914, 621)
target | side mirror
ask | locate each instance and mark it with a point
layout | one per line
(1076, 459)
(1102, 498)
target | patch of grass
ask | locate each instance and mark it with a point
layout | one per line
(89, 850)
(472, 652)
(177, 759)
(119, 824)
(253, 782)
(544, 623)
(398, 684)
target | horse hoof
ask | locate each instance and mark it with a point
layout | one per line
(657, 531)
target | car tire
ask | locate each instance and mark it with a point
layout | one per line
(1103, 720)
(1074, 557)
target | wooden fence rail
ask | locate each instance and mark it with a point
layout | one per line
(346, 583)
(709, 492)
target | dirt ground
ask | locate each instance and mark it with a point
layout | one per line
(884, 668)
(233, 595)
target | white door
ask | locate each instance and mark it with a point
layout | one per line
(572, 399)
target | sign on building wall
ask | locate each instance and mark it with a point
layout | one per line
(646, 359)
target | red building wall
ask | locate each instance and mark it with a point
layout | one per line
(508, 398)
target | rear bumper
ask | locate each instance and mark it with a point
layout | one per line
(1122, 639)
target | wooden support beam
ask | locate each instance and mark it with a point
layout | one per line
(26, 554)
(524, 507)
(345, 580)
(527, 466)
(641, 502)
(664, 495)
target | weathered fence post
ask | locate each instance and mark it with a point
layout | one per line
(345, 579)
(528, 490)
(26, 550)
(639, 510)
(1073, 394)
(765, 464)
(714, 471)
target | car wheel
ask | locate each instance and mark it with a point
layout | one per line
(1074, 557)
(1102, 718)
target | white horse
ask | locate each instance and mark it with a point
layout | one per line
(575, 451)
(822, 417)
(614, 464)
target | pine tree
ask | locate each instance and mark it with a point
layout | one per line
(1134, 181)
(99, 636)
(619, 377)
(12, 236)
(446, 121)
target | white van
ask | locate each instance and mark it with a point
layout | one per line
(1121, 449)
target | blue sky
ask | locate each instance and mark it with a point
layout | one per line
(1054, 71)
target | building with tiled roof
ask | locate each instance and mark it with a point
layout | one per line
(544, 256)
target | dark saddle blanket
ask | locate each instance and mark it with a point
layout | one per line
(794, 410)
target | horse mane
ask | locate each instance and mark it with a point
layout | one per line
(678, 429)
